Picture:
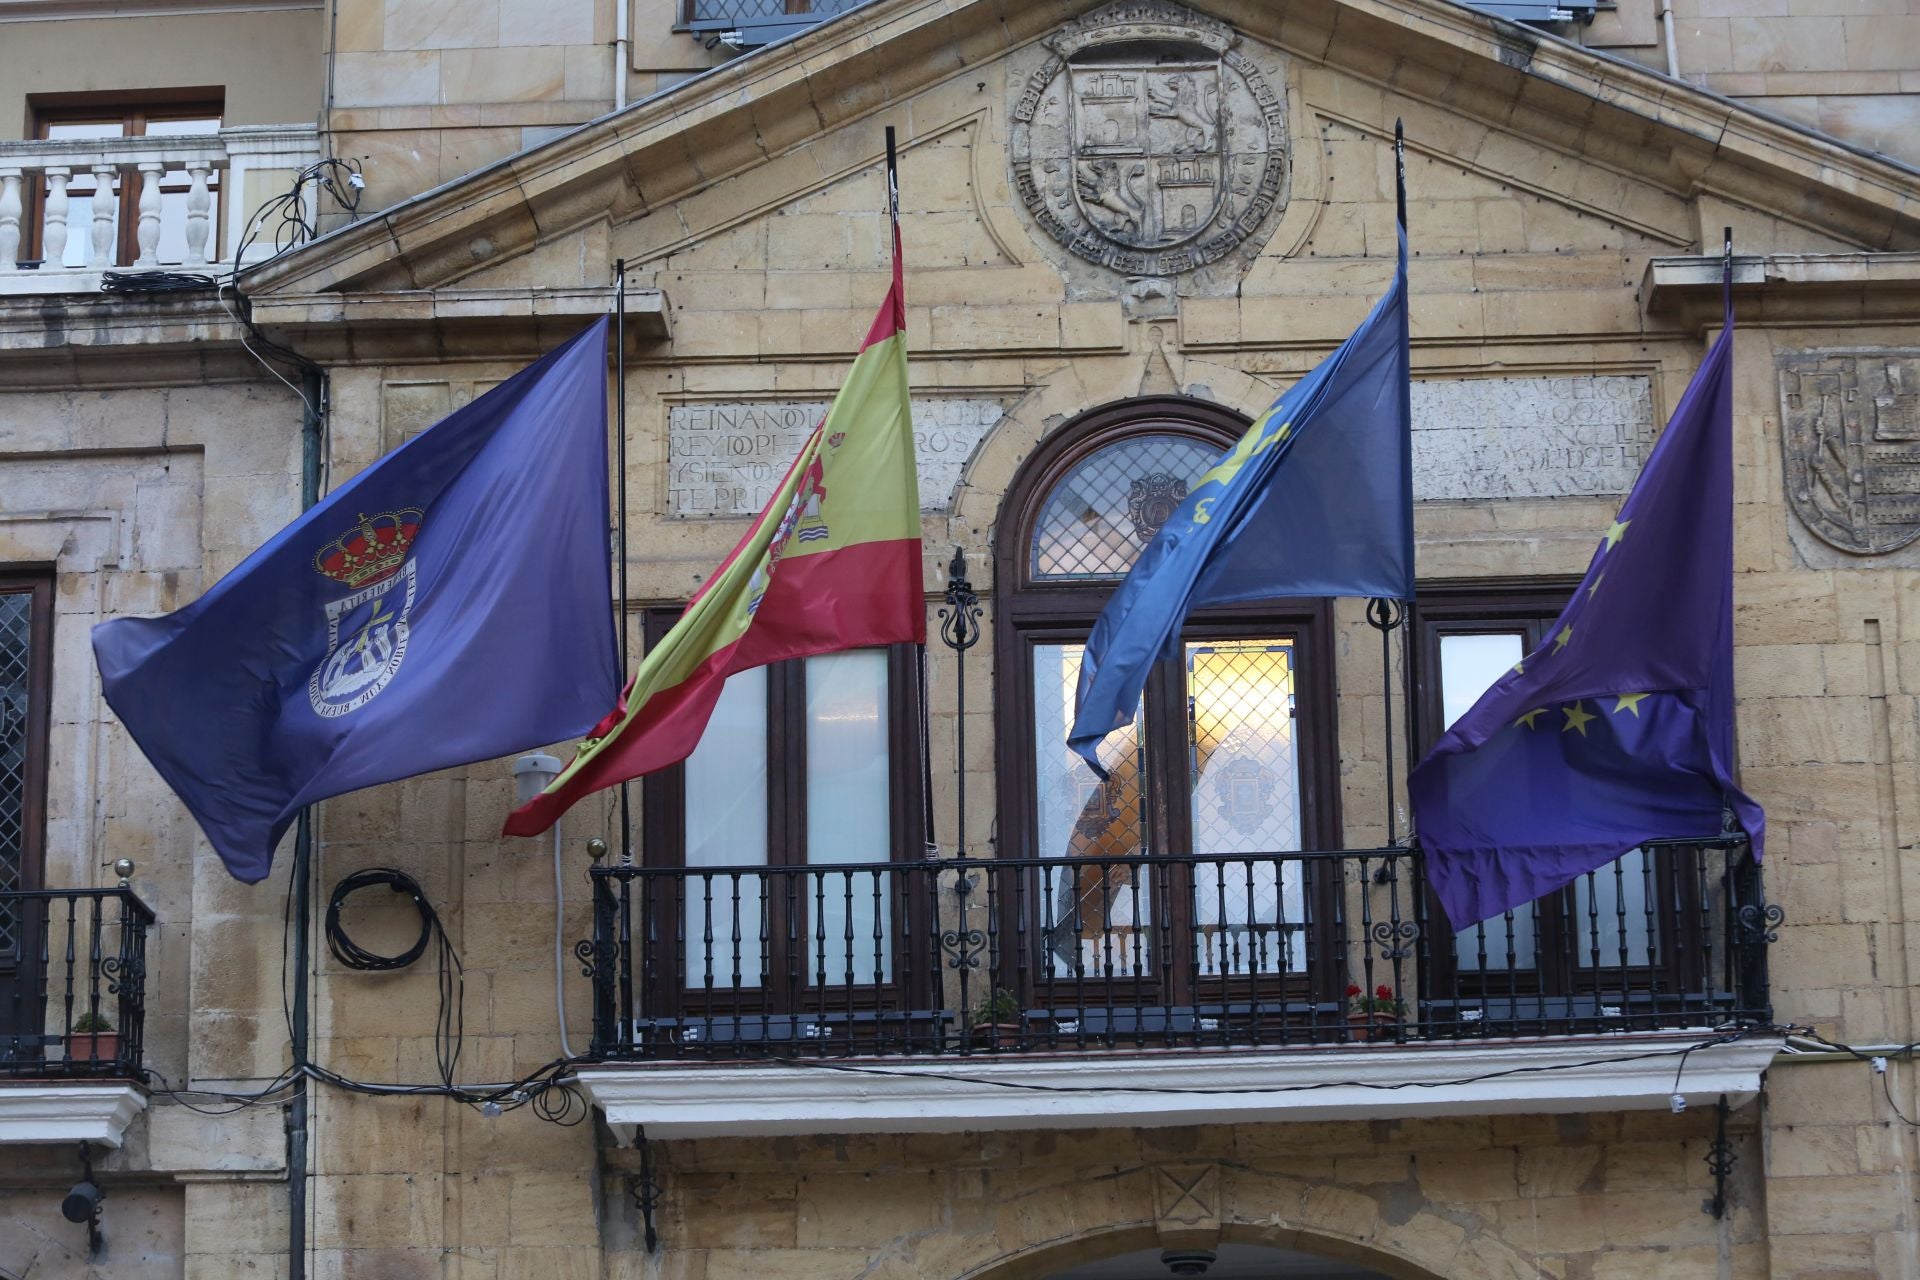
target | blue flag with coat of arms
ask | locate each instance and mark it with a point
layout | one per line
(449, 604)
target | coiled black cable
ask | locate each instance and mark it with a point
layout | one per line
(449, 1025)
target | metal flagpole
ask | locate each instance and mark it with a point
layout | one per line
(930, 840)
(1409, 613)
(620, 507)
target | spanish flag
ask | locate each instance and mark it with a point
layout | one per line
(832, 563)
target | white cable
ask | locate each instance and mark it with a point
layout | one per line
(559, 945)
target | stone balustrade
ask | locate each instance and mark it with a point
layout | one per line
(74, 240)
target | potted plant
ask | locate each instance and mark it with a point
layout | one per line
(995, 1020)
(1370, 1016)
(92, 1039)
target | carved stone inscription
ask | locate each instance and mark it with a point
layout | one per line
(1850, 428)
(1148, 143)
(1542, 437)
(726, 459)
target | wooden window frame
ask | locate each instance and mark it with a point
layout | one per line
(1484, 606)
(35, 581)
(664, 825)
(1051, 611)
(134, 111)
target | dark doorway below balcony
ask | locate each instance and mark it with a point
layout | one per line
(1230, 1262)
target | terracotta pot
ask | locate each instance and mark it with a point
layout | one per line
(1371, 1026)
(999, 1035)
(93, 1046)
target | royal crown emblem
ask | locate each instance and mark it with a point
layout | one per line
(368, 629)
(372, 550)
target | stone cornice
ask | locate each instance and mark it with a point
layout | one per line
(757, 109)
(44, 1111)
(1785, 289)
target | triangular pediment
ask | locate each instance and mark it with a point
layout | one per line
(1520, 146)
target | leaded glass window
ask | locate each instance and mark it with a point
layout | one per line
(1104, 511)
(17, 662)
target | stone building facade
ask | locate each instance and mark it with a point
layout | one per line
(1081, 335)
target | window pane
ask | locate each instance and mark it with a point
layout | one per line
(1092, 918)
(80, 208)
(185, 127)
(1469, 664)
(88, 129)
(1104, 512)
(849, 817)
(1613, 913)
(1244, 797)
(726, 816)
(16, 665)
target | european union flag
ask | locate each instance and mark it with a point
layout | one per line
(1315, 500)
(449, 604)
(1619, 729)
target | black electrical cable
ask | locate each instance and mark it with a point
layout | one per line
(449, 1024)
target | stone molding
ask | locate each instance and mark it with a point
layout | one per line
(42, 1111)
(1625, 1073)
(747, 112)
(1786, 289)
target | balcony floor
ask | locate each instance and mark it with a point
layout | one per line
(1097, 1089)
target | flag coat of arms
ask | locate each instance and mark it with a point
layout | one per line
(832, 562)
(449, 604)
(1619, 729)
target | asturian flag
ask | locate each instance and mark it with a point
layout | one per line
(1619, 729)
(832, 563)
(1315, 500)
(449, 604)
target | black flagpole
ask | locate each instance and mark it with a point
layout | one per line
(930, 843)
(1410, 613)
(620, 507)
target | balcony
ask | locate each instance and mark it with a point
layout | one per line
(1020, 992)
(72, 209)
(750, 24)
(73, 966)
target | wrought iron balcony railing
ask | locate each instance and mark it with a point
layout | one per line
(73, 965)
(961, 957)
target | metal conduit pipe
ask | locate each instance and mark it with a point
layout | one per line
(1673, 50)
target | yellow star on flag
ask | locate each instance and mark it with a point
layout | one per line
(1630, 702)
(1577, 719)
(1530, 717)
(1595, 587)
(1520, 667)
(1560, 641)
(1616, 531)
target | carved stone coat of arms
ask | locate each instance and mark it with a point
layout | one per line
(1147, 143)
(1850, 427)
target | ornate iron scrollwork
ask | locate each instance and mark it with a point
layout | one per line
(1760, 921)
(1396, 938)
(592, 953)
(963, 947)
(1720, 1160)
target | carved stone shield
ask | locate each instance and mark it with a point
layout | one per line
(1850, 429)
(1147, 142)
(1147, 150)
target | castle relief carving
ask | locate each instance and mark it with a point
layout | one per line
(1148, 143)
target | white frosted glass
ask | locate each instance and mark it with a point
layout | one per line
(1470, 664)
(1468, 667)
(849, 817)
(1603, 902)
(726, 816)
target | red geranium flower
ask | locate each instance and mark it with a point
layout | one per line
(1383, 991)
(1353, 989)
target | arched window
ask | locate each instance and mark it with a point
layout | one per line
(1231, 753)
